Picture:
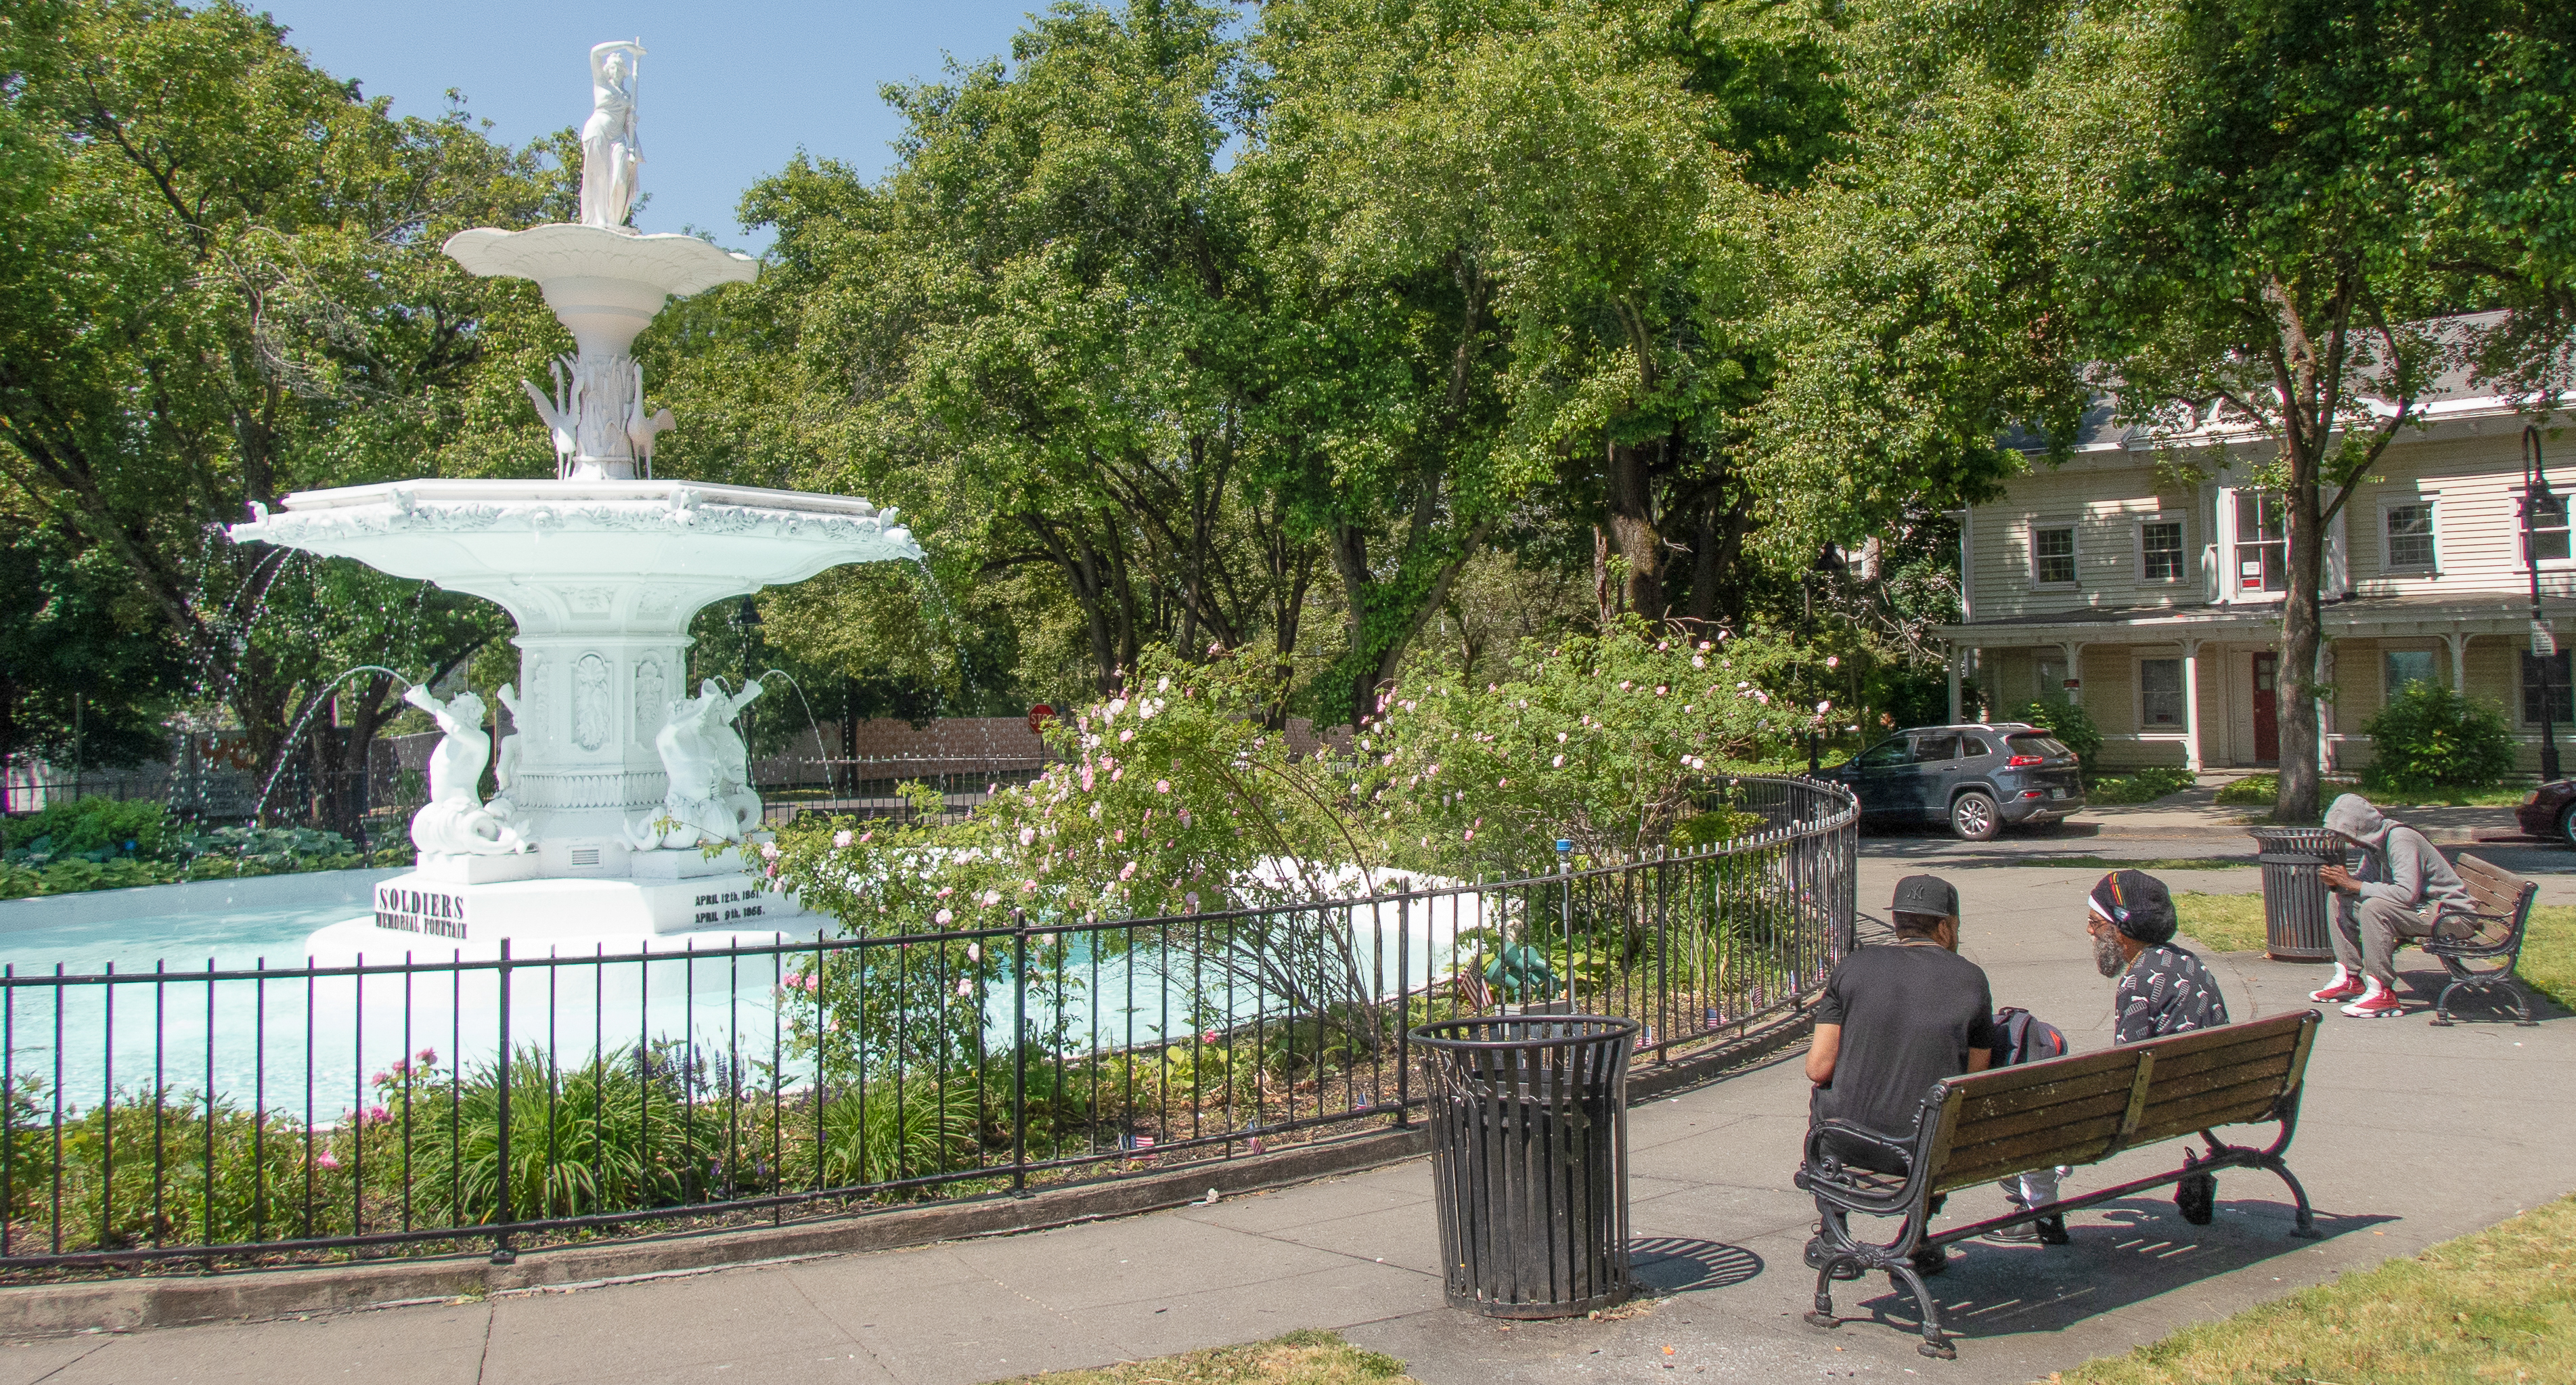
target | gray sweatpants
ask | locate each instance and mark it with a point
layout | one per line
(2369, 930)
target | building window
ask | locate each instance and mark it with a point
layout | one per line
(2052, 555)
(2548, 537)
(2404, 666)
(2559, 697)
(2410, 535)
(2160, 694)
(2160, 550)
(2262, 543)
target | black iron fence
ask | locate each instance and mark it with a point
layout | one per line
(248, 1115)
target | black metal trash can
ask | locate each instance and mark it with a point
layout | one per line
(1529, 1160)
(2297, 909)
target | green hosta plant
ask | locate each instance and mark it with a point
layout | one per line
(2429, 737)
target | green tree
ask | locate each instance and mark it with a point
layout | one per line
(222, 284)
(2294, 193)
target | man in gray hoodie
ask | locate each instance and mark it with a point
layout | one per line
(2395, 898)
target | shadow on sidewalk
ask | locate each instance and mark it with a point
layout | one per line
(2145, 1250)
(1676, 1264)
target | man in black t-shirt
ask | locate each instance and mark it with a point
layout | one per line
(1895, 1019)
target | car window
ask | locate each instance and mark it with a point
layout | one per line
(2032, 743)
(1935, 747)
(1895, 750)
(1970, 747)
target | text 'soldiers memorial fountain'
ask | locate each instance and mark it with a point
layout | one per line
(618, 776)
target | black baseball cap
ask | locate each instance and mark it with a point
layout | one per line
(1925, 894)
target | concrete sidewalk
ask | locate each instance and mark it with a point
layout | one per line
(2411, 1135)
(2195, 814)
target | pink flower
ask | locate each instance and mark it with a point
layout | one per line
(769, 851)
(974, 952)
(1162, 786)
(1028, 887)
(1661, 689)
(965, 987)
(1502, 783)
(326, 1161)
(428, 1057)
(1191, 900)
(867, 834)
(991, 898)
(944, 918)
(1128, 872)
(841, 838)
(1028, 835)
(1470, 836)
(377, 1115)
(378, 1080)
(1833, 661)
(945, 891)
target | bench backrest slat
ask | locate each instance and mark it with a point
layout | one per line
(2082, 1109)
(2503, 898)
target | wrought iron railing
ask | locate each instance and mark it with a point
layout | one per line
(232, 1115)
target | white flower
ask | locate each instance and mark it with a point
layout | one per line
(1560, 738)
(1028, 835)
(943, 918)
(1741, 686)
(1128, 872)
(1127, 735)
(991, 898)
(769, 851)
(1661, 689)
(841, 838)
(1824, 706)
(1163, 686)
(974, 952)
(1699, 661)
(1833, 661)
(1557, 763)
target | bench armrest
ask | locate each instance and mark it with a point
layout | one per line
(1825, 1174)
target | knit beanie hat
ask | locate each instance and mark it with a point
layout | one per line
(2136, 903)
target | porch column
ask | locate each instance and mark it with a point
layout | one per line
(2191, 705)
(2459, 644)
(2325, 707)
(2074, 689)
(1953, 657)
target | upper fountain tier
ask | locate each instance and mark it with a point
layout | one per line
(635, 556)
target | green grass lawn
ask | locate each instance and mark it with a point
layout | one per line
(1300, 1358)
(2234, 923)
(2499, 1305)
(2263, 790)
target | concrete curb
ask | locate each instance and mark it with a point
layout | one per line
(125, 1305)
(2197, 832)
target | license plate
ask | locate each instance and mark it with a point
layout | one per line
(2057, 793)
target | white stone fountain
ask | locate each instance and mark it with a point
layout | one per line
(624, 800)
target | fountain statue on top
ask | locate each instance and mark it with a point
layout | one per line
(615, 783)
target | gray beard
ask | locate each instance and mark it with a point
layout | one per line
(2106, 955)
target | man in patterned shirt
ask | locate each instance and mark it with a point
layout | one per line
(2163, 989)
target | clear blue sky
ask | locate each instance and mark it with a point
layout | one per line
(730, 91)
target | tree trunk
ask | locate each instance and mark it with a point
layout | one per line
(2302, 623)
(1629, 493)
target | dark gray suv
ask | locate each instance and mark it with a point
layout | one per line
(1975, 778)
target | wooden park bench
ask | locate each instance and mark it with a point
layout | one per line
(2076, 1110)
(2485, 958)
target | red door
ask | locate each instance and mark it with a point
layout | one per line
(2267, 709)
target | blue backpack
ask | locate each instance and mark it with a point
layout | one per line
(2026, 1038)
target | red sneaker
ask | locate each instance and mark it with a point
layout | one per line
(2349, 988)
(2378, 1004)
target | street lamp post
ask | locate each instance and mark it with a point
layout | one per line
(2536, 497)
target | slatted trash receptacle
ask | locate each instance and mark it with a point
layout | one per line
(1529, 1160)
(2297, 909)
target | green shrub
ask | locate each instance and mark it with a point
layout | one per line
(92, 827)
(2252, 791)
(2138, 786)
(2429, 737)
(2069, 722)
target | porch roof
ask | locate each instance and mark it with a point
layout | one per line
(2361, 617)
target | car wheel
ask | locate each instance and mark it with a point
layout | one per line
(2567, 824)
(1973, 816)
